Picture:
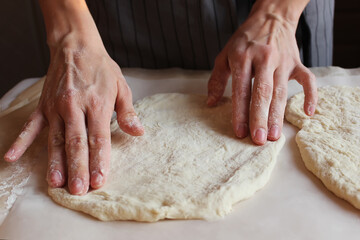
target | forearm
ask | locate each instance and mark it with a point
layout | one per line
(67, 18)
(289, 10)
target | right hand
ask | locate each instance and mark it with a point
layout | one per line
(82, 86)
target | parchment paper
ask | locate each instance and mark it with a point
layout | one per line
(293, 205)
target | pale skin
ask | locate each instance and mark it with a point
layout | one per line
(263, 48)
(84, 85)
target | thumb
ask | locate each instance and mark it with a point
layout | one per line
(307, 79)
(127, 119)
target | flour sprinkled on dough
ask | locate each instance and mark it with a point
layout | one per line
(188, 165)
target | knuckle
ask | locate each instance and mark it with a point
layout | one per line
(311, 77)
(77, 141)
(239, 63)
(125, 92)
(57, 139)
(264, 90)
(31, 121)
(67, 97)
(98, 141)
(96, 103)
(70, 122)
(69, 114)
(268, 54)
(34, 116)
(238, 73)
(280, 93)
(244, 93)
(237, 54)
(268, 50)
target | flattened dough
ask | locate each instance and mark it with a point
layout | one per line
(329, 142)
(188, 165)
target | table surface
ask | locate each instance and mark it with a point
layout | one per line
(293, 205)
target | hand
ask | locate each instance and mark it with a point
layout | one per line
(263, 48)
(81, 88)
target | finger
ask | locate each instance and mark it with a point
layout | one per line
(260, 103)
(307, 79)
(278, 103)
(99, 146)
(76, 147)
(56, 173)
(31, 129)
(241, 95)
(126, 116)
(218, 80)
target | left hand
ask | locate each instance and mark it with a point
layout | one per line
(263, 48)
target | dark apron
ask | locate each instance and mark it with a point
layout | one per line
(190, 33)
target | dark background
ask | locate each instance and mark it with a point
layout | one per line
(23, 51)
(347, 34)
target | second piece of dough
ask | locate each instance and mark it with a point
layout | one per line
(329, 142)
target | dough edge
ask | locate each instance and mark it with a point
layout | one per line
(137, 211)
(108, 208)
(347, 193)
(312, 162)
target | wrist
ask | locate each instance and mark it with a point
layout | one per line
(67, 21)
(287, 10)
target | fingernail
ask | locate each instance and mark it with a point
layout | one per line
(260, 135)
(77, 185)
(133, 122)
(311, 109)
(96, 179)
(10, 155)
(138, 124)
(137, 120)
(55, 178)
(132, 125)
(274, 131)
(242, 130)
